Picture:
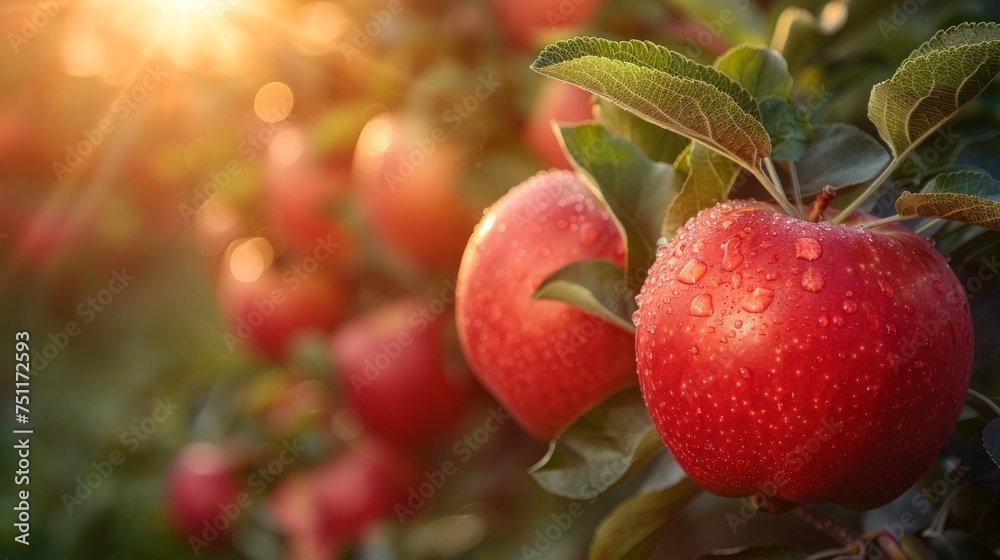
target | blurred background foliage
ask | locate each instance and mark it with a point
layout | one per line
(207, 148)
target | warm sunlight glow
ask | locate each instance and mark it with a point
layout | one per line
(273, 102)
(250, 258)
(287, 146)
(320, 26)
(373, 142)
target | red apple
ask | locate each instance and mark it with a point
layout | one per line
(802, 362)
(545, 361)
(408, 176)
(394, 371)
(201, 485)
(295, 510)
(267, 306)
(360, 487)
(562, 103)
(528, 23)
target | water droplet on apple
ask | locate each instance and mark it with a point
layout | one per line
(823, 321)
(771, 276)
(873, 323)
(710, 330)
(746, 373)
(849, 306)
(838, 321)
(738, 324)
(670, 310)
(637, 319)
(727, 224)
(886, 288)
(918, 364)
(813, 281)
(731, 255)
(758, 301)
(736, 279)
(588, 234)
(694, 350)
(546, 251)
(697, 247)
(692, 272)
(909, 308)
(701, 306)
(938, 286)
(873, 389)
(890, 329)
(807, 248)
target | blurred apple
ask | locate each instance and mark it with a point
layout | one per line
(268, 305)
(395, 372)
(203, 485)
(562, 103)
(528, 23)
(302, 193)
(408, 177)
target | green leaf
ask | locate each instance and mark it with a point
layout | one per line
(788, 127)
(840, 155)
(636, 189)
(595, 286)
(762, 71)
(939, 78)
(759, 553)
(655, 141)
(972, 197)
(991, 440)
(605, 445)
(709, 180)
(664, 88)
(633, 529)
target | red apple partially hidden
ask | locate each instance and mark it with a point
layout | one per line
(802, 362)
(394, 371)
(202, 485)
(545, 361)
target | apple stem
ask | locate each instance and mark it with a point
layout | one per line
(822, 203)
(842, 533)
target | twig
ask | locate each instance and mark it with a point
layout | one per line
(822, 203)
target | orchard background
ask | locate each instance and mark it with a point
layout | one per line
(232, 229)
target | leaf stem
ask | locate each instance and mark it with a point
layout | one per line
(982, 404)
(776, 182)
(870, 190)
(796, 188)
(926, 226)
(777, 194)
(889, 220)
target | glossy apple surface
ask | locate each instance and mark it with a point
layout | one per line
(394, 371)
(545, 361)
(802, 362)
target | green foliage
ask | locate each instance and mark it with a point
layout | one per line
(606, 445)
(971, 197)
(595, 286)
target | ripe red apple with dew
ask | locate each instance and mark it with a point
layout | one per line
(395, 371)
(802, 362)
(202, 487)
(545, 361)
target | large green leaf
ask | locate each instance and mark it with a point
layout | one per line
(972, 197)
(991, 440)
(634, 528)
(939, 78)
(655, 141)
(595, 286)
(762, 71)
(840, 155)
(788, 127)
(664, 88)
(608, 443)
(636, 189)
(710, 177)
